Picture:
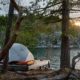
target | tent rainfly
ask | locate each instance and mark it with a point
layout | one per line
(19, 52)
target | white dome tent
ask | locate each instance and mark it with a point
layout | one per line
(22, 55)
(19, 52)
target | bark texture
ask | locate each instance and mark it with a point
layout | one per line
(65, 52)
(8, 31)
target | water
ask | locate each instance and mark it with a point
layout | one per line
(53, 55)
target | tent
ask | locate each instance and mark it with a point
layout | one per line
(22, 55)
(19, 52)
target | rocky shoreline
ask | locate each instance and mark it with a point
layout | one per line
(63, 74)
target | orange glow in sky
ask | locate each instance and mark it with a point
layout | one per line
(77, 23)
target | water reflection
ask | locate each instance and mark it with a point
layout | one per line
(53, 55)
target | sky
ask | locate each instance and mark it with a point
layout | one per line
(5, 8)
(26, 2)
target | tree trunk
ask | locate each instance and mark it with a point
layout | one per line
(65, 51)
(8, 28)
(12, 38)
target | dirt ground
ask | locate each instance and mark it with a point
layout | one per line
(64, 74)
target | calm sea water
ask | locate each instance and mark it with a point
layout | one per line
(53, 55)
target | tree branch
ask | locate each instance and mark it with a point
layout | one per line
(15, 5)
(74, 9)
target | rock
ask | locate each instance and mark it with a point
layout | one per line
(63, 74)
(60, 77)
(37, 77)
(75, 74)
(11, 76)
